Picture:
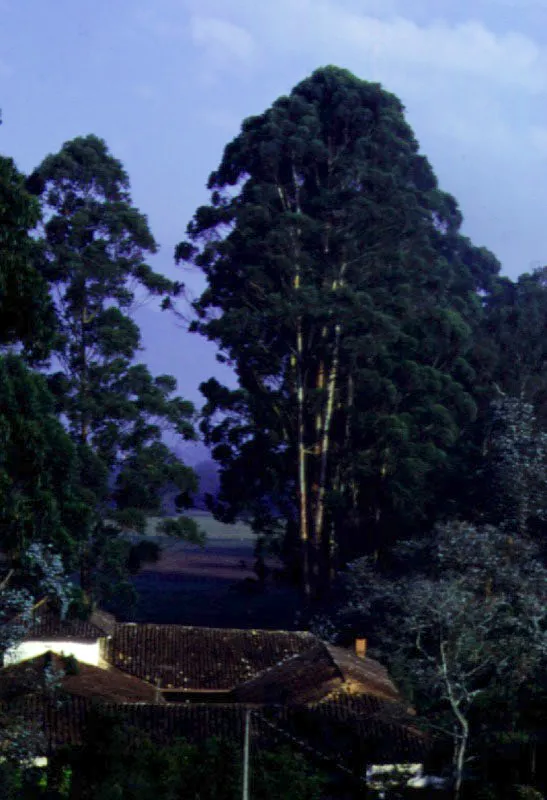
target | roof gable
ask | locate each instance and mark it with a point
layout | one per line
(364, 675)
(47, 625)
(109, 685)
(315, 673)
(302, 678)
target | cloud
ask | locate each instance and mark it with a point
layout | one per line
(466, 49)
(460, 80)
(472, 76)
(223, 45)
(222, 40)
(384, 33)
(161, 25)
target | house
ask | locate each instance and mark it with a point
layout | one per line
(83, 639)
(339, 706)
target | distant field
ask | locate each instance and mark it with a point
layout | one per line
(228, 553)
(191, 585)
(236, 534)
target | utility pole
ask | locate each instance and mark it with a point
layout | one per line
(246, 744)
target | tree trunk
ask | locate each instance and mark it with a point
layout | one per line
(298, 362)
(302, 466)
(316, 556)
(461, 740)
(320, 546)
(303, 509)
(84, 389)
(460, 753)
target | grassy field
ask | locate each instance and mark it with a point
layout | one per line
(214, 585)
(229, 535)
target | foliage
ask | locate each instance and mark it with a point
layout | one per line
(42, 505)
(528, 793)
(389, 378)
(20, 783)
(41, 499)
(517, 461)
(40, 574)
(469, 612)
(39, 571)
(26, 311)
(94, 249)
(116, 762)
(515, 334)
(285, 774)
(342, 292)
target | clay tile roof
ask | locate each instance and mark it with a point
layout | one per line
(368, 675)
(300, 679)
(64, 723)
(317, 732)
(47, 624)
(60, 723)
(313, 674)
(192, 721)
(384, 727)
(182, 657)
(108, 685)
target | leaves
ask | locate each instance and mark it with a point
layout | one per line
(26, 310)
(460, 612)
(517, 461)
(334, 263)
(40, 494)
(94, 250)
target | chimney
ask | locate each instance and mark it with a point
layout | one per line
(361, 648)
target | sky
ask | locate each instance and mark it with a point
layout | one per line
(167, 83)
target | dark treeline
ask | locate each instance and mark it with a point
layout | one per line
(390, 411)
(77, 408)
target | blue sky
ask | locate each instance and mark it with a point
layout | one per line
(167, 83)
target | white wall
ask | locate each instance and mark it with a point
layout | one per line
(86, 652)
(383, 776)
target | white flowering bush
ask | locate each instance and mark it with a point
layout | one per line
(472, 610)
(518, 464)
(42, 570)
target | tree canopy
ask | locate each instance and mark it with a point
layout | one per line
(40, 493)
(470, 614)
(93, 254)
(41, 499)
(340, 288)
(27, 316)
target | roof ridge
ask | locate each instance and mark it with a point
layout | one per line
(283, 662)
(300, 633)
(359, 661)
